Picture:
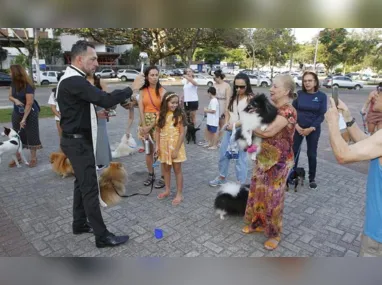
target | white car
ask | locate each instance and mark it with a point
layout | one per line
(203, 80)
(106, 73)
(127, 74)
(264, 82)
(298, 81)
(47, 77)
(342, 82)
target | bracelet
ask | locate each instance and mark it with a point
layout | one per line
(349, 124)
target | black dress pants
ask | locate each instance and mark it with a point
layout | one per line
(86, 205)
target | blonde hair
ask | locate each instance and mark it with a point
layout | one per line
(289, 84)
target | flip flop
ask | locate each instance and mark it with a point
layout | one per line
(272, 243)
(177, 201)
(249, 230)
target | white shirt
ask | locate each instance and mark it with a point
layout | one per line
(213, 119)
(53, 101)
(237, 109)
(190, 91)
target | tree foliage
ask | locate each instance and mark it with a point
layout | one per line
(160, 43)
(49, 49)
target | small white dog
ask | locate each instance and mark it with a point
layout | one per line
(126, 147)
(12, 146)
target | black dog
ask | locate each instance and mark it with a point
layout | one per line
(295, 177)
(191, 133)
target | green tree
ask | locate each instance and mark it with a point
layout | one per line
(160, 43)
(305, 53)
(130, 57)
(333, 41)
(211, 55)
(236, 56)
(22, 60)
(49, 49)
(274, 45)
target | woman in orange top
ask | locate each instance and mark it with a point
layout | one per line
(150, 98)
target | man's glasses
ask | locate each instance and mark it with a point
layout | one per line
(240, 86)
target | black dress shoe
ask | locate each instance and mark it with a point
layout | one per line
(85, 229)
(110, 240)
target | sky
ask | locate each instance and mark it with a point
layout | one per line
(306, 34)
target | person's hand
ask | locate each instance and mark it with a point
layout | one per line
(342, 106)
(205, 110)
(22, 124)
(174, 154)
(229, 127)
(332, 116)
(156, 152)
(103, 114)
(299, 129)
(18, 102)
(307, 132)
(138, 82)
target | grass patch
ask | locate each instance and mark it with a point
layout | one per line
(6, 114)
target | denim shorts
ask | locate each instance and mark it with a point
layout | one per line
(212, 129)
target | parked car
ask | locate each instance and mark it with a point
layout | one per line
(298, 81)
(5, 79)
(203, 80)
(47, 77)
(127, 74)
(342, 82)
(106, 73)
(264, 82)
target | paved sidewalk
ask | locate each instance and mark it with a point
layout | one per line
(36, 214)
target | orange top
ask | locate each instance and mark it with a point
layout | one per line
(151, 105)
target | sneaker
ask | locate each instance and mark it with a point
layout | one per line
(201, 143)
(217, 182)
(313, 185)
(213, 147)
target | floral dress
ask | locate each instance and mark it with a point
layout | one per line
(265, 203)
(168, 139)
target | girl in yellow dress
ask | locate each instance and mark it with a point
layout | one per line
(170, 148)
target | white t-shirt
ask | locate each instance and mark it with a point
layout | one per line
(53, 101)
(213, 119)
(190, 91)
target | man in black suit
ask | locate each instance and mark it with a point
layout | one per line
(75, 97)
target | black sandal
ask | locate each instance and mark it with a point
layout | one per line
(150, 179)
(160, 183)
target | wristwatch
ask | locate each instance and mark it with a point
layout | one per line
(349, 124)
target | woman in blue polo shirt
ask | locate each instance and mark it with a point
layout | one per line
(311, 106)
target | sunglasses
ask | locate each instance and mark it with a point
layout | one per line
(240, 86)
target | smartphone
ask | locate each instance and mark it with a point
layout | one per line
(335, 95)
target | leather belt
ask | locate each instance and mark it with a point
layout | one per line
(75, 136)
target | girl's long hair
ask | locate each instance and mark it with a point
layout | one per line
(147, 83)
(179, 115)
(20, 78)
(248, 90)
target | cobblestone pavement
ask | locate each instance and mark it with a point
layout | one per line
(36, 214)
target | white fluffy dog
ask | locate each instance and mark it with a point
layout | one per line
(126, 147)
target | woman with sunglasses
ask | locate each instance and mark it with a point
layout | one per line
(242, 92)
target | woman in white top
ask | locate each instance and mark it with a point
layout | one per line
(242, 92)
(190, 95)
(223, 92)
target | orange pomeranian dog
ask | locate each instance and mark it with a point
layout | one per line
(112, 182)
(61, 164)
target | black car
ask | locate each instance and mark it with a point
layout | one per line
(5, 79)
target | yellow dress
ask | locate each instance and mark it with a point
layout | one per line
(168, 139)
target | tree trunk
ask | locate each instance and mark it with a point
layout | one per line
(30, 61)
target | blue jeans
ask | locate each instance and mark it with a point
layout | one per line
(241, 163)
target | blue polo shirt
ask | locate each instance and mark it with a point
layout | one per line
(311, 108)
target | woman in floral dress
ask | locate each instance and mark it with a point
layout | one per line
(266, 198)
